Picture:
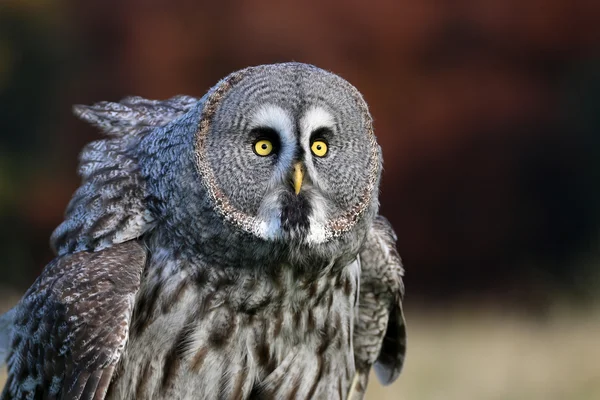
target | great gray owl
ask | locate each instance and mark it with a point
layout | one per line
(215, 249)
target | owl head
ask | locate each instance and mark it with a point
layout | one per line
(273, 159)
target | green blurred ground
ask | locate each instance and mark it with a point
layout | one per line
(483, 355)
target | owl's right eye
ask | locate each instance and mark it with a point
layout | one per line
(263, 147)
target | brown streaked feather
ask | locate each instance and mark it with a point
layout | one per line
(104, 383)
(198, 359)
(91, 385)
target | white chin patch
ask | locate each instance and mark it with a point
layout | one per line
(270, 230)
(269, 217)
(318, 233)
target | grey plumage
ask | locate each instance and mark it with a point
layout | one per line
(192, 265)
(379, 332)
(6, 323)
(72, 324)
(109, 207)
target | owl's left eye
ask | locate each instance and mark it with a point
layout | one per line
(263, 147)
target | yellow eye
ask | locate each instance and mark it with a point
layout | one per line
(263, 147)
(319, 148)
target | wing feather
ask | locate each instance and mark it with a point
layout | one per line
(110, 205)
(71, 326)
(393, 349)
(379, 331)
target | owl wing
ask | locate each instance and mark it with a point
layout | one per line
(379, 332)
(71, 327)
(110, 206)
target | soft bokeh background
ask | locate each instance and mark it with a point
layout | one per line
(488, 112)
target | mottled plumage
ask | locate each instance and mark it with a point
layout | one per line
(216, 249)
(379, 332)
(72, 325)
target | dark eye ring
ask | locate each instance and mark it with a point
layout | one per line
(266, 141)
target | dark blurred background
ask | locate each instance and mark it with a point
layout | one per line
(488, 113)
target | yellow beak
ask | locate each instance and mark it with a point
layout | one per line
(298, 176)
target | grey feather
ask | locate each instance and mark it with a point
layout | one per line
(110, 206)
(380, 331)
(134, 115)
(6, 324)
(72, 325)
(250, 286)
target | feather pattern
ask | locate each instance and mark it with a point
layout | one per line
(380, 331)
(250, 289)
(233, 335)
(110, 206)
(71, 327)
(6, 323)
(133, 115)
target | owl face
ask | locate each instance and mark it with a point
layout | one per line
(287, 152)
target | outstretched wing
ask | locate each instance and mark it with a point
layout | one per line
(70, 328)
(379, 331)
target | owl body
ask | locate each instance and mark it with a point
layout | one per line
(234, 334)
(215, 250)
